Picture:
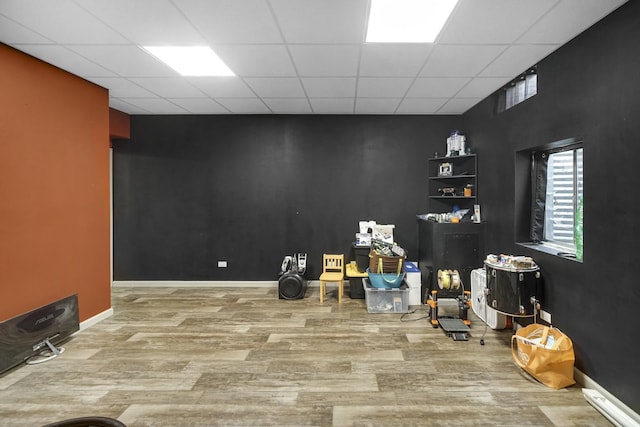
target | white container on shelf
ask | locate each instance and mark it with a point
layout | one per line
(383, 232)
(413, 279)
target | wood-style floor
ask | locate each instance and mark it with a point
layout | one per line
(243, 357)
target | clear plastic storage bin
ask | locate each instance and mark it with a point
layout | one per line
(386, 300)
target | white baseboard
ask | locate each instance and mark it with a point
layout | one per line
(589, 383)
(192, 284)
(198, 284)
(95, 319)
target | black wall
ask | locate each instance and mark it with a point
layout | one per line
(192, 190)
(587, 89)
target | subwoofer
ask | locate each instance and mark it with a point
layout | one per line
(291, 285)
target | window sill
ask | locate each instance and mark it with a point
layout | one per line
(541, 247)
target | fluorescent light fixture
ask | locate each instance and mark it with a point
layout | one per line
(191, 60)
(407, 21)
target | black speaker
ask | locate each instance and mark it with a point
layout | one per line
(291, 286)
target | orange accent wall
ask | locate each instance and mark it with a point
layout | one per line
(119, 124)
(54, 188)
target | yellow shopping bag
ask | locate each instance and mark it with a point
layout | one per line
(545, 353)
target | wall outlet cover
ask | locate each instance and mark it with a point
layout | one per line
(546, 316)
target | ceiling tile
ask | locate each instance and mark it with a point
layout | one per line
(276, 87)
(329, 87)
(436, 87)
(122, 88)
(232, 21)
(126, 61)
(564, 23)
(460, 60)
(157, 105)
(420, 105)
(169, 87)
(62, 21)
(125, 107)
(326, 21)
(146, 22)
(376, 105)
(225, 87)
(288, 105)
(200, 105)
(458, 105)
(492, 21)
(482, 87)
(244, 105)
(325, 60)
(65, 59)
(12, 32)
(395, 60)
(256, 60)
(332, 105)
(516, 60)
(383, 87)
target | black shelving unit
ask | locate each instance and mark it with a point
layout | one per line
(450, 246)
(447, 246)
(447, 190)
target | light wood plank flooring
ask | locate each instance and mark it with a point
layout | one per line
(243, 357)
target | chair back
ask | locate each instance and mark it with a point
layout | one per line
(332, 263)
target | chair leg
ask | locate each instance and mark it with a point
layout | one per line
(340, 291)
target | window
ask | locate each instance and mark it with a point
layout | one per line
(557, 190)
(519, 89)
(525, 87)
(564, 190)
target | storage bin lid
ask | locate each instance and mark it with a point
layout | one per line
(403, 288)
(410, 267)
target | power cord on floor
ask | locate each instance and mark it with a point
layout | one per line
(402, 318)
(484, 332)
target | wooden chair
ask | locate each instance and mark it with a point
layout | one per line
(332, 272)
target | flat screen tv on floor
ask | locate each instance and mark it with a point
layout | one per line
(34, 336)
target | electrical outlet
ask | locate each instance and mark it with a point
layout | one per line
(546, 316)
(222, 264)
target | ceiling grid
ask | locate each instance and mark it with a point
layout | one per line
(292, 56)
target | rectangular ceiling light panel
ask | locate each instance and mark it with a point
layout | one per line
(191, 60)
(407, 21)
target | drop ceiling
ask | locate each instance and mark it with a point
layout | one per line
(292, 56)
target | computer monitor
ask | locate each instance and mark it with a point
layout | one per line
(37, 333)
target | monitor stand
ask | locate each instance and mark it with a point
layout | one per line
(51, 352)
